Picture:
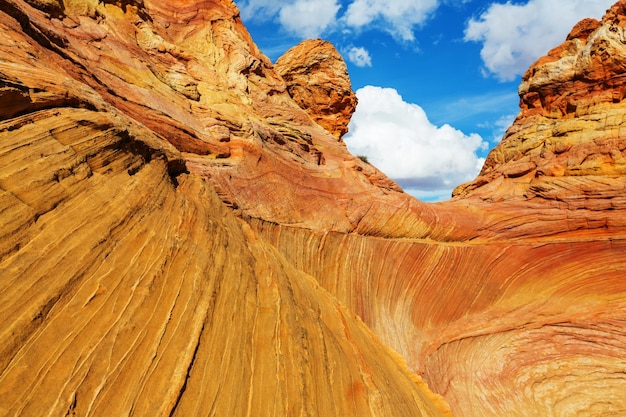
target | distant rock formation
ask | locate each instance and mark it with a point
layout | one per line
(317, 79)
(182, 233)
(568, 143)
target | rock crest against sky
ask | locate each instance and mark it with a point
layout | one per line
(458, 61)
(317, 79)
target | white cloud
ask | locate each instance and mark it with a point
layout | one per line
(308, 18)
(311, 18)
(359, 56)
(303, 18)
(398, 17)
(515, 35)
(398, 138)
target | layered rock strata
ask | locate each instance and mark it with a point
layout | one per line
(127, 286)
(317, 79)
(130, 289)
(567, 144)
(532, 303)
(180, 237)
(503, 328)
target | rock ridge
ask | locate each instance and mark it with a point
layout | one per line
(567, 137)
(182, 234)
(317, 79)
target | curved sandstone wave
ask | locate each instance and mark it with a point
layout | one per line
(180, 237)
(498, 328)
(524, 315)
(128, 288)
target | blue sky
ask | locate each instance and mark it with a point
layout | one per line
(436, 79)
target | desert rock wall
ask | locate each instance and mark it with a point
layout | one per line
(127, 286)
(182, 233)
(498, 328)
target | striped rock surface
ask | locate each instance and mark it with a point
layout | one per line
(179, 237)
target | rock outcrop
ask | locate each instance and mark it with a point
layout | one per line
(128, 286)
(183, 233)
(317, 79)
(130, 289)
(567, 143)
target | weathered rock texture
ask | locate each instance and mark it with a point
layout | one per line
(568, 141)
(179, 237)
(127, 286)
(131, 289)
(317, 79)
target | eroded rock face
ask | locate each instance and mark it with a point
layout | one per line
(127, 287)
(317, 79)
(568, 143)
(515, 328)
(176, 227)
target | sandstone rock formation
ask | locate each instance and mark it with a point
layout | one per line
(317, 79)
(128, 287)
(569, 130)
(180, 237)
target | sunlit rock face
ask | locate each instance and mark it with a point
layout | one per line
(127, 285)
(567, 144)
(523, 313)
(182, 234)
(524, 327)
(317, 79)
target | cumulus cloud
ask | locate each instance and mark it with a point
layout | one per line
(309, 18)
(398, 138)
(359, 56)
(515, 35)
(398, 17)
(312, 18)
(303, 18)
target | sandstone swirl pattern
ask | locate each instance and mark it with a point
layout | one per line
(128, 287)
(183, 233)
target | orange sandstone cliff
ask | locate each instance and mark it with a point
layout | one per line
(184, 233)
(317, 79)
